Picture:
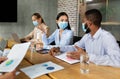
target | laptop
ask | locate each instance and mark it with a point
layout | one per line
(15, 37)
(3, 44)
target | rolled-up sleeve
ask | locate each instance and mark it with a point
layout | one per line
(48, 40)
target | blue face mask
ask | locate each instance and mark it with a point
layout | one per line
(35, 23)
(63, 25)
(85, 28)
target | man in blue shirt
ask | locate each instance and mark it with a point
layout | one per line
(100, 45)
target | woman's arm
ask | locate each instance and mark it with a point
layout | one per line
(47, 31)
(28, 37)
(67, 38)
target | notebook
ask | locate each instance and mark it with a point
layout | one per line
(66, 59)
(15, 37)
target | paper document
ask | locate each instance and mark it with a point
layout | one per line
(41, 69)
(66, 59)
(15, 56)
(5, 52)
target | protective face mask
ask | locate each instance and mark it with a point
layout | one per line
(35, 23)
(63, 25)
(85, 28)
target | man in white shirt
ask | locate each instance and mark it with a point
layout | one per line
(100, 45)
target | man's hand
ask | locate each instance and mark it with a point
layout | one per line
(73, 55)
(76, 54)
(80, 50)
(54, 51)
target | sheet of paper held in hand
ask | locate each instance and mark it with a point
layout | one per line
(15, 56)
(66, 59)
(41, 69)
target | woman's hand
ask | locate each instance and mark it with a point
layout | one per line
(9, 75)
(39, 45)
(2, 59)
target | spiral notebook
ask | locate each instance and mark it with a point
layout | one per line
(66, 59)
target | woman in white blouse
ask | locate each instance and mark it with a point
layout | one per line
(40, 27)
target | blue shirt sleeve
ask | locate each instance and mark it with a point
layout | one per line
(68, 48)
(50, 39)
(81, 42)
(67, 38)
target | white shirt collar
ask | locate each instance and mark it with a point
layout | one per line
(96, 35)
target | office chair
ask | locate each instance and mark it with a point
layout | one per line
(76, 39)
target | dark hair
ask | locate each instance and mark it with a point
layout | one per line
(94, 16)
(62, 14)
(38, 16)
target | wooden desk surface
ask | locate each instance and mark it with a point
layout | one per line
(73, 71)
(96, 72)
(41, 58)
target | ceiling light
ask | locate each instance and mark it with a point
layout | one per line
(89, 0)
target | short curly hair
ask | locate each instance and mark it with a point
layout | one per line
(94, 16)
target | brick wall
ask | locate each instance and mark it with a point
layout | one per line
(71, 8)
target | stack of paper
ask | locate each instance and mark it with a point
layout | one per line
(66, 59)
(41, 69)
